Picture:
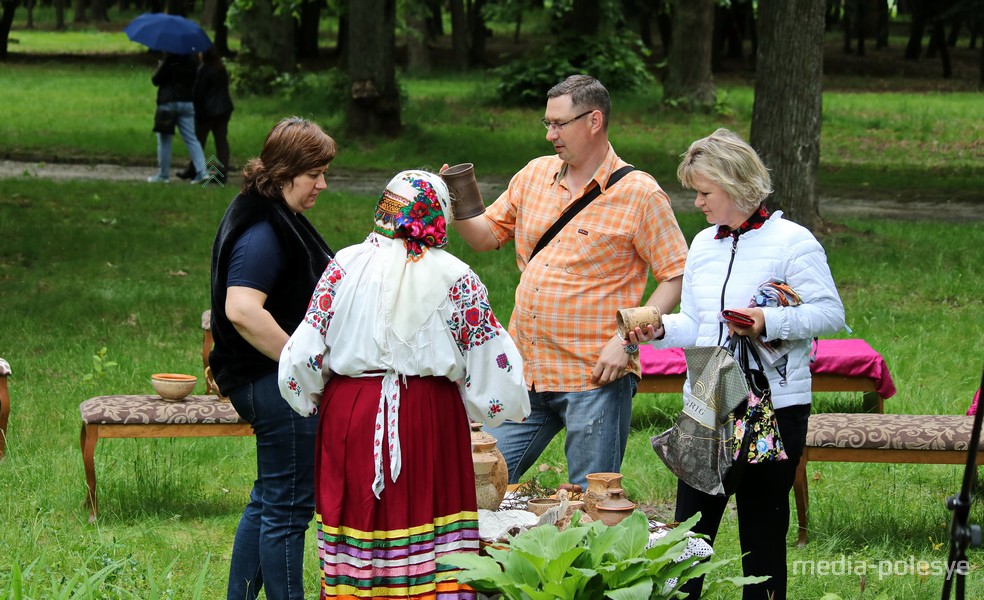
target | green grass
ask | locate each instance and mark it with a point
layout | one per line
(86, 265)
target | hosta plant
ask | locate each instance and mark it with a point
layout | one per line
(590, 560)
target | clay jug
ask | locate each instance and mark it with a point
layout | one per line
(615, 508)
(599, 485)
(491, 473)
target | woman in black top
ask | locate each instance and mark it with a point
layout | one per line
(266, 260)
(213, 109)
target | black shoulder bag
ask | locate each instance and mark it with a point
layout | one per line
(577, 207)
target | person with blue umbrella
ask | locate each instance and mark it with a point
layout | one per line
(178, 38)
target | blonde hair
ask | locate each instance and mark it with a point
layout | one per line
(729, 162)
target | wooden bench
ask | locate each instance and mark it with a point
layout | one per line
(879, 438)
(139, 416)
(4, 405)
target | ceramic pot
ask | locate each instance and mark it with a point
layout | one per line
(491, 473)
(599, 485)
(538, 506)
(615, 508)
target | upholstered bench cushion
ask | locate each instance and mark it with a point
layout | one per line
(4, 368)
(135, 410)
(889, 431)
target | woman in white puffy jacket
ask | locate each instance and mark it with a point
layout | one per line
(745, 247)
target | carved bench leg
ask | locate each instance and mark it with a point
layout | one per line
(89, 437)
(802, 493)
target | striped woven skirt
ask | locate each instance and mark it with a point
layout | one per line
(387, 547)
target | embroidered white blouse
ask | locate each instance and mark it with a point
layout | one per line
(345, 331)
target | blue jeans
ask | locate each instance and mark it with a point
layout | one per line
(597, 423)
(268, 551)
(185, 112)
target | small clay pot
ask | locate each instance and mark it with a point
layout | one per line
(615, 508)
(173, 387)
(599, 485)
(538, 506)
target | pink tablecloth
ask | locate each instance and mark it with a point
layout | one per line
(836, 357)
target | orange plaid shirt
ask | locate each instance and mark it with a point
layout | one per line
(567, 298)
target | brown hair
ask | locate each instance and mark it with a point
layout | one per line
(587, 93)
(292, 147)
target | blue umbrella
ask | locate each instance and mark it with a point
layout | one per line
(168, 33)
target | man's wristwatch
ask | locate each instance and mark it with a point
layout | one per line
(631, 348)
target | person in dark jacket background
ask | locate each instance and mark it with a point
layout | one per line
(213, 109)
(175, 79)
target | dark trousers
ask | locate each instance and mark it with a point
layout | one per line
(219, 128)
(763, 511)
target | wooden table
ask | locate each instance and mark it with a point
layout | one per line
(145, 416)
(849, 365)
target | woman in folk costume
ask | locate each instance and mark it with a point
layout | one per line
(398, 350)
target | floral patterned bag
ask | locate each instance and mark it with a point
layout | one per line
(756, 435)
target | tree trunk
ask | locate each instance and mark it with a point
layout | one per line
(786, 114)
(664, 23)
(342, 41)
(459, 34)
(881, 32)
(80, 6)
(980, 80)
(417, 35)
(478, 33)
(584, 20)
(221, 38)
(60, 15)
(100, 11)
(374, 99)
(435, 23)
(176, 7)
(267, 41)
(914, 48)
(689, 83)
(307, 30)
(6, 20)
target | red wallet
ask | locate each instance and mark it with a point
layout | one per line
(738, 318)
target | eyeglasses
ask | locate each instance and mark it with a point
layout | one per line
(560, 126)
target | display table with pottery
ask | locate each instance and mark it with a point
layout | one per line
(150, 416)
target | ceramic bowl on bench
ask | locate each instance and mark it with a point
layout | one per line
(173, 387)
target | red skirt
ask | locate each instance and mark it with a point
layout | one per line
(387, 547)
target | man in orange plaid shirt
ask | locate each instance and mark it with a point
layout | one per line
(580, 374)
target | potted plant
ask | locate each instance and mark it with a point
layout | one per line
(589, 560)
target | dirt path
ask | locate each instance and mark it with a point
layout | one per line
(372, 183)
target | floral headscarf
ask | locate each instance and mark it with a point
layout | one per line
(414, 206)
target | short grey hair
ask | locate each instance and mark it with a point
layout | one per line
(729, 162)
(587, 93)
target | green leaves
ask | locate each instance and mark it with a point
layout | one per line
(589, 560)
(99, 364)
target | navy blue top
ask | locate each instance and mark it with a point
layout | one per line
(256, 259)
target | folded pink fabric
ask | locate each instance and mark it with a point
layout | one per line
(852, 357)
(973, 405)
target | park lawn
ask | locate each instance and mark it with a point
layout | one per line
(907, 146)
(125, 267)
